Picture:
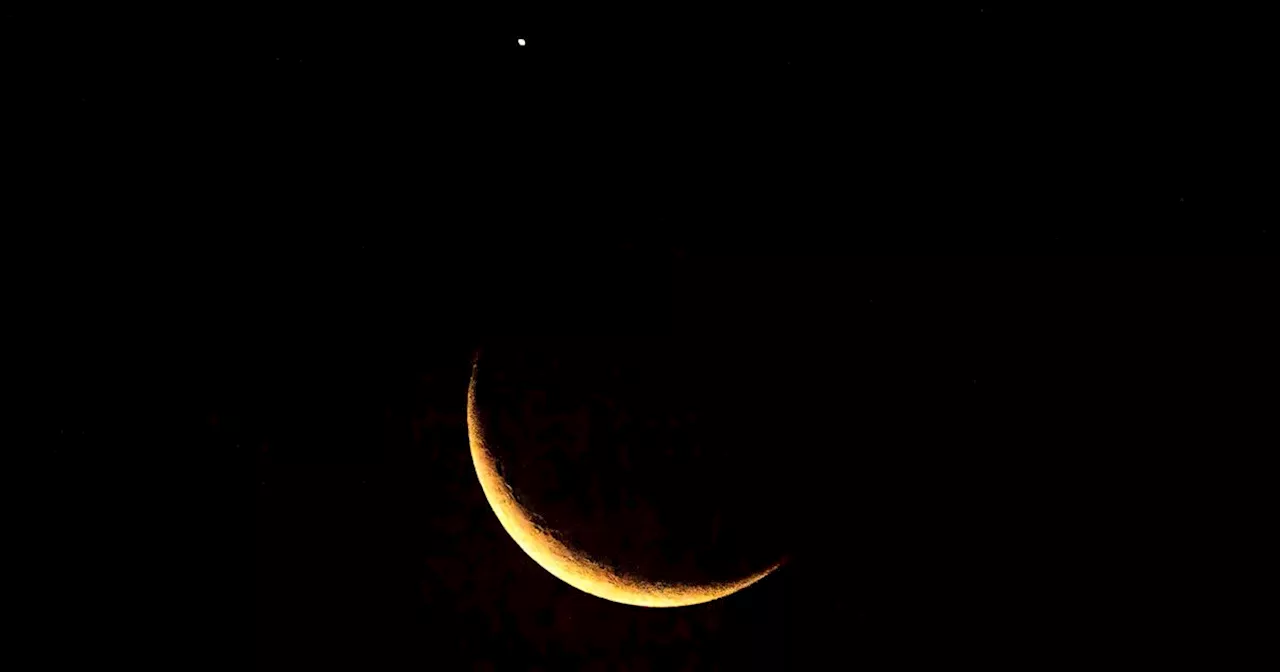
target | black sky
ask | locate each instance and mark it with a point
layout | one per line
(914, 127)
(987, 241)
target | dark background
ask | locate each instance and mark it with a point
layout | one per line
(275, 238)
(908, 127)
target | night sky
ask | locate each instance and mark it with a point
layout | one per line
(990, 254)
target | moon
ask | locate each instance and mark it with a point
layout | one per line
(555, 551)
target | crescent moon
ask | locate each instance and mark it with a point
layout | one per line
(568, 564)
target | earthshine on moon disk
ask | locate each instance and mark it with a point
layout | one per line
(576, 566)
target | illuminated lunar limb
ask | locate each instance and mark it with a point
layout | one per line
(571, 565)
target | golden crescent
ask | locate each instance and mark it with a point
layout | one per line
(568, 564)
